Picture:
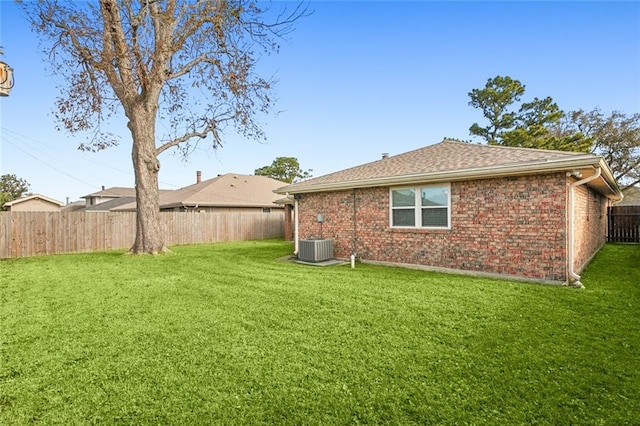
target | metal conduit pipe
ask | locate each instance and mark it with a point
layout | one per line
(571, 229)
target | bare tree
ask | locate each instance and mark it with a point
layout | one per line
(614, 136)
(190, 64)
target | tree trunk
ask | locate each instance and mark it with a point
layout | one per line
(149, 239)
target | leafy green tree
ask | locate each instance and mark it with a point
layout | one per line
(285, 169)
(538, 112)
(540, 137)
(11, 188)
(541, 124)
(180, 71)
(495, 101)
(614, 136)
(528, 126)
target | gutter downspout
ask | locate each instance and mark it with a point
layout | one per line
(571, 231)
(355, 227)
(295, 226)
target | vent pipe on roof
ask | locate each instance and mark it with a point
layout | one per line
(103, 187)
(385, 155)
(198, 176)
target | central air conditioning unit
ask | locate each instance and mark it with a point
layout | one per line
(315, 250)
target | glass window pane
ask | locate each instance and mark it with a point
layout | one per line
(435, 217)
(403, 197)
(435, 196)
(404, 217)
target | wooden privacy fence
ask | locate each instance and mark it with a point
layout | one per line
(25, 234)
(624, 224)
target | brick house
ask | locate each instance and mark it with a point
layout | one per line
(521, 213)
(109, 199)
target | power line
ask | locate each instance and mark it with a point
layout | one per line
(14, 134)
(4, 129)
(6, 139)
(45, 163)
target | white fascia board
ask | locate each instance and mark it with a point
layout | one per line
(609, 179)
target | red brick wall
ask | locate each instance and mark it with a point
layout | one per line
(514, 226)
(590, 219)
(288, 222)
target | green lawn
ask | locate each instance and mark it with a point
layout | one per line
(228, 334)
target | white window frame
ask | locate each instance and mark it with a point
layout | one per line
(417, 207)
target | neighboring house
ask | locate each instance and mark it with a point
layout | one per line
(111, 198)
(109, 205)
(631, 197)
(533, 214)
(34, 203)
(225, 193)
(74, 206)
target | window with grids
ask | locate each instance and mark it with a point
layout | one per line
(421, 207)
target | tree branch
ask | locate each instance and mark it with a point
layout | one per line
(194, 134)
(630, 167)
(186, 68)
(137, 21)
(115, 49)
(637, 181)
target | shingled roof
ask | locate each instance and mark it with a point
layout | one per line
(228, 190)
(450, 161)
(113, 192)
(631, 197)
(33, 197)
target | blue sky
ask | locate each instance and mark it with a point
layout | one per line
(356, 79)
